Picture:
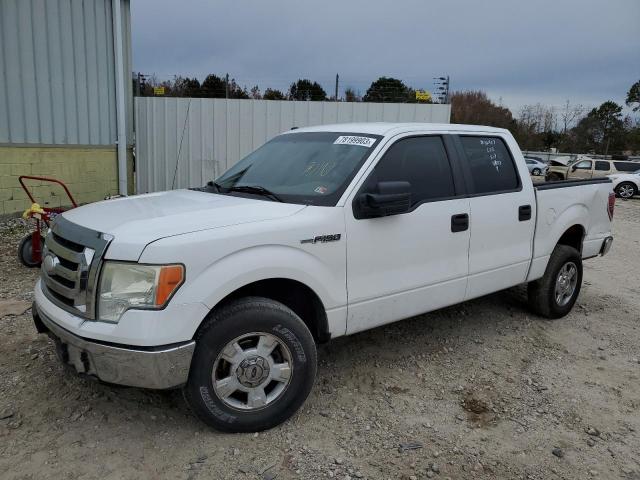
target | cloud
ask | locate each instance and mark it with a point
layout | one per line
(545, 51)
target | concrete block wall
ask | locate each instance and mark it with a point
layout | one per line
(90, 173)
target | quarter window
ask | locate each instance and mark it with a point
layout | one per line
(491, 164)
(602, 166)
(421, 161)
(627, 166)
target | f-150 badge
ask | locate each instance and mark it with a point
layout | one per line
(322, 239)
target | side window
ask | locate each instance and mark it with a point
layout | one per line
(421, 161)
(491, 164)
(627, 166)
(602, 166)
(583, 165)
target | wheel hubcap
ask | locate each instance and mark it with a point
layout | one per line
(252, 371)
(626, 191)
(566, 283)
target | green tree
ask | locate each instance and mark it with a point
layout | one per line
(186, 87)
(213, 86)
(388, 89)
(633, 96)
(273, 94)
(235, 91)
(305, 89)
(602, 130)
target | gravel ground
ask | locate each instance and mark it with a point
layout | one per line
(479, 390)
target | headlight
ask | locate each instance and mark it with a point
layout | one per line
(131, 285)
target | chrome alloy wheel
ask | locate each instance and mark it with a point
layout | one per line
(252, 371)
(566, 283)
(626, 191)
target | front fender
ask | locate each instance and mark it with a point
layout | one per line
(263, 262)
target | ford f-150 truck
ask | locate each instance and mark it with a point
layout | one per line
(225, 290)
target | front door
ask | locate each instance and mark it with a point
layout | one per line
(581, 170)
(403, 265)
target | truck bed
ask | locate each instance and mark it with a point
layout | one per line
(581, 204)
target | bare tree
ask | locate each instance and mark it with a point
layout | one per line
(570, 114)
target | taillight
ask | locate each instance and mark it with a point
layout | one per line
(611, 205)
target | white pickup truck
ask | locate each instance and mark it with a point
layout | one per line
(225, 290)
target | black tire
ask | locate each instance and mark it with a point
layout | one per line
(542, 292)
(621, 187)
(25, 252)
(244, 317)
(536, 172)
(555, 177)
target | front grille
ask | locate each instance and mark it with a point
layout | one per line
(70, 266)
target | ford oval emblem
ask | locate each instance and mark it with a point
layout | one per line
(49, 263)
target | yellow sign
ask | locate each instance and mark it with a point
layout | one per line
(158, 90)
(423, 95)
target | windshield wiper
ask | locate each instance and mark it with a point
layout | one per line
(213, 186)
(255, 189)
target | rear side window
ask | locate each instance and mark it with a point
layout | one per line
(602, 166)
(627, 166)
(492, 167)
(421, 161)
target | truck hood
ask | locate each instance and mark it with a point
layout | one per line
(136, 221)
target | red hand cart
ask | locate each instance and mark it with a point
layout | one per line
(30, 249)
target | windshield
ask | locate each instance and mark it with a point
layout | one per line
(312, 168)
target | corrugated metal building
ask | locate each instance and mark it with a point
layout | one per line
(61, 76)
(197, 139)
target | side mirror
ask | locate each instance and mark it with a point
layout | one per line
(387, 198)
(574, 168)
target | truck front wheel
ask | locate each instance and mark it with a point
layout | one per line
(254, 366)
(554, 295)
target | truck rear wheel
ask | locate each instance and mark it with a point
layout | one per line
(554, 295)
(254, 366)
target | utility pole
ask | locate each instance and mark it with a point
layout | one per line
(337, 80)
(226, 86)
(447, 92)
(442, 86)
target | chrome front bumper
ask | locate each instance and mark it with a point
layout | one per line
(146, 367)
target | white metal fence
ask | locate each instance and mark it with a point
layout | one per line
(210, 135)
(548, 156)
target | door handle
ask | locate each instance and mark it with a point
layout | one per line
(524, 213)
(459, 222)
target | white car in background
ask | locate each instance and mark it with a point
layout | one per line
(626, 185)
(536, 166)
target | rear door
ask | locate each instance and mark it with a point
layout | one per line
(601, 168)
(502, 208)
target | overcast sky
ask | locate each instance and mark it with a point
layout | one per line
(518, 51)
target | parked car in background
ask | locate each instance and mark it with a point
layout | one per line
(626, 185)
(536, 166)
(584, 168)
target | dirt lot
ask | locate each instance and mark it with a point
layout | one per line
(479, 390)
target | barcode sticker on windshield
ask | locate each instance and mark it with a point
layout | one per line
(349, 140)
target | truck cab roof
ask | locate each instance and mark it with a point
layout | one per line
(392, 128)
